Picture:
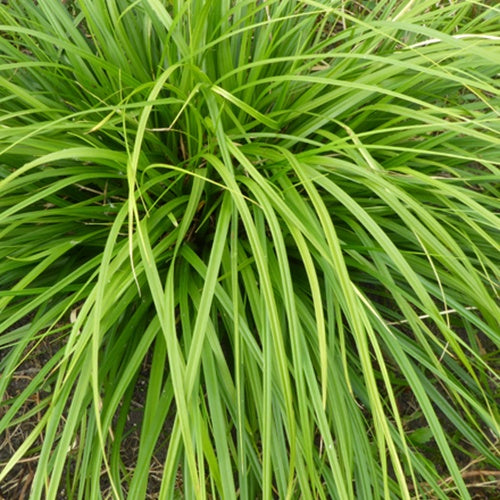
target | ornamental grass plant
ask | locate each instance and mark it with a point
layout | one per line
(249, 249)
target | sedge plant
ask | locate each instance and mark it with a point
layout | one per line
(267, 230)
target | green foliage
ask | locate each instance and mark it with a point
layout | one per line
(279, 217)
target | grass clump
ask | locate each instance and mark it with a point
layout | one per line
(265, 233)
